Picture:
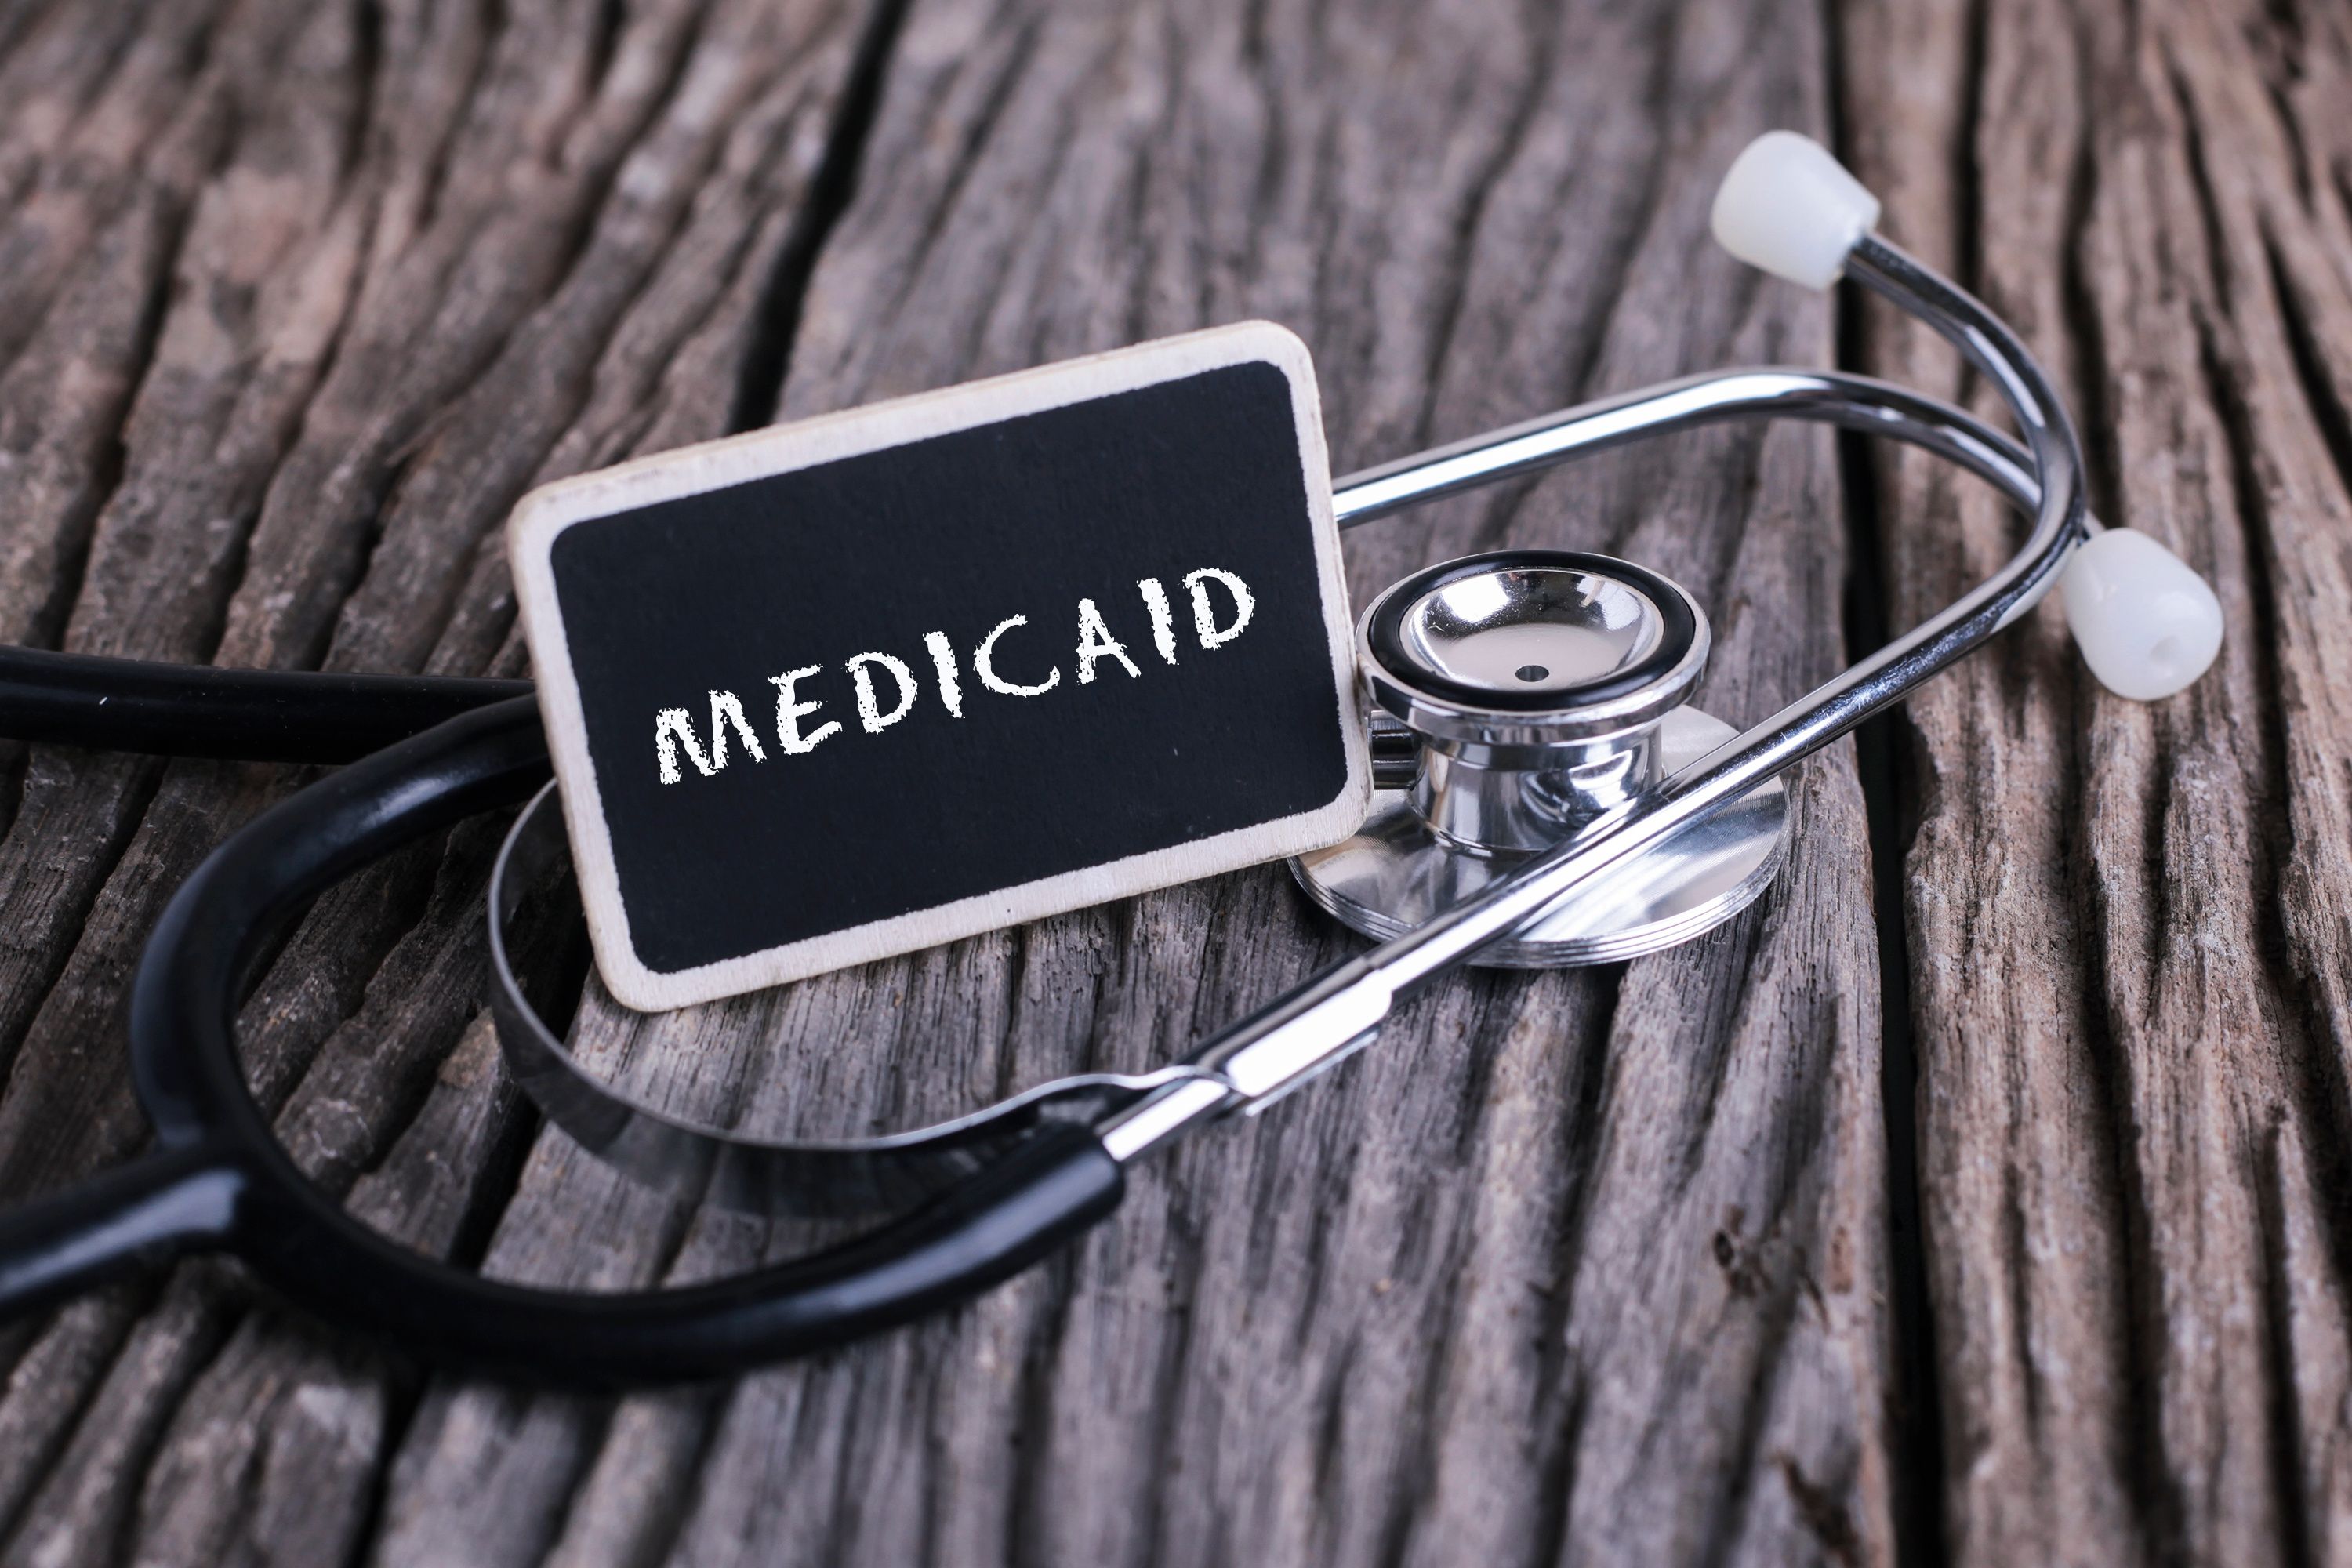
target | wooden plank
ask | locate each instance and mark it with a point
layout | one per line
(2129, 924)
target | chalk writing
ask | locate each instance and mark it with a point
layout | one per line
(885, 689)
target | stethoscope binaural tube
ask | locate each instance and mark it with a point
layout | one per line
(1789, 206)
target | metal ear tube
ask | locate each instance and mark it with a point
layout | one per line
(1263, 1057)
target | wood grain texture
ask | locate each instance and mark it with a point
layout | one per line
(2128, 925)
(1607, 1266)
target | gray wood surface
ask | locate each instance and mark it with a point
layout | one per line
(2127, 926)
(1974, 1197)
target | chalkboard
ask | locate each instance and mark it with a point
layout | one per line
(843, 688)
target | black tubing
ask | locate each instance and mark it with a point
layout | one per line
(197, 710)
(1038, 1194)
(131, 1219)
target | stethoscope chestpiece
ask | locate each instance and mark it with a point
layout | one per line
(1541, 690)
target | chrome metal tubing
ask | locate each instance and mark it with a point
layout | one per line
(1859, 403)
(1264, 1056)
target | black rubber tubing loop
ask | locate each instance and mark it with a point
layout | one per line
(219, 1180)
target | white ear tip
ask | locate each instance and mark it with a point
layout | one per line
(2147, 626)
(1791, 209)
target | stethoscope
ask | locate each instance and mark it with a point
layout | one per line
(1547, 795)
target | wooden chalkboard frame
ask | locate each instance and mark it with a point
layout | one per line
(542, 517)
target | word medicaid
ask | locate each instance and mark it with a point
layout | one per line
(1000, 664)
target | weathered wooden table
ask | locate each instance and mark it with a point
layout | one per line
(1979, 1196)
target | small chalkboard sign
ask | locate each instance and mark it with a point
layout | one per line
(847, 688)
